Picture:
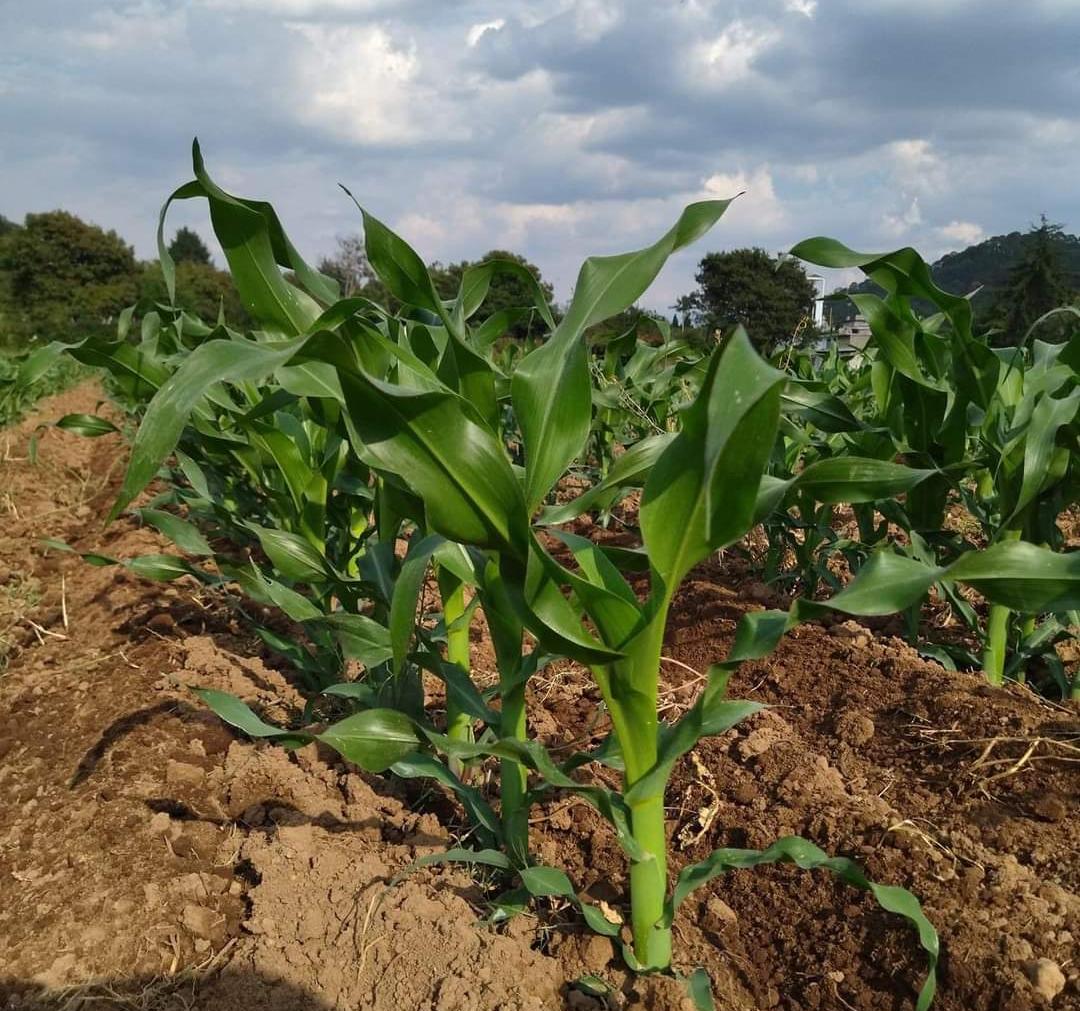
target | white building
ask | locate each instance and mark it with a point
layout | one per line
(819, 299)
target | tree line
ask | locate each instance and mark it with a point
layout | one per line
(62, 278)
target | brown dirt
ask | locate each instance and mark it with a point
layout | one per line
(150, 858)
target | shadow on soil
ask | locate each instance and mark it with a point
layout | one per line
(226, 989)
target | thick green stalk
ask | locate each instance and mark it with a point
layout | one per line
(630, 690)
(997, 633)
(513, 776)
(506, 637)
(997, 637)
(458, 723)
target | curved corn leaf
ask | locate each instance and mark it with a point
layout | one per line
(701, 493)
(849, 479)
(165, 418)
(186, 536)
(374, 739)
(550, 388)
(238, 714)
(429, 439)
(804, 854)
(89, 425)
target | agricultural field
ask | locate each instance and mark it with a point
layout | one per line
(369, 659)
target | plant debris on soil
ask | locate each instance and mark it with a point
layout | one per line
(152, 858)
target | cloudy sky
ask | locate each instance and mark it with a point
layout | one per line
(557, 128)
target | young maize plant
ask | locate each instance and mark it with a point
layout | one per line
(1001, 428)
(467, 458)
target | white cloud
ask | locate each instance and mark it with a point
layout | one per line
(805, 7)
(916, 166)
(758, 204)
(476, 31)
(595, 18)
(730, 56)
(965, 232)
(359, 85)
(902, 222)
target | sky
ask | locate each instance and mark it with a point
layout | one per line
(556, 129)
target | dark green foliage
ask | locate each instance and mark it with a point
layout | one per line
(987, 270)
(201, 289)
(506, 291)
(188, 247)
(1038, 283)
(64, 278)
(16, 400)
(749, 287)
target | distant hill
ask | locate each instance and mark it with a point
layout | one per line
(986, 266)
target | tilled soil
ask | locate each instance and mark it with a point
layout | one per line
(150, 858)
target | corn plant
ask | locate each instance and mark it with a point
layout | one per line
(1000, 428)
(469, 458)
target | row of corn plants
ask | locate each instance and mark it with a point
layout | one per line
(306, 452)
(998, 430)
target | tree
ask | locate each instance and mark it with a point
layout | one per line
(201, 289)
(747, 286)
(1037, 284)
(188, 247)
(350, 268)
(65, 278)
(507, 291)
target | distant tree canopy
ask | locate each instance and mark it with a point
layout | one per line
(1001, 275)
(349, 266)
(1037, 283)
(201, 289)
(63, 278)
(648, 324)
(506, 291)
(748, 286)
(188, 247)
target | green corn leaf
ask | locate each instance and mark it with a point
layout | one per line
(431, 440)
(291, 555)
(551, 389)
(1022, 576)
(628, 471)
(361, 638)
(542, 882)
(711, 715)
(186, 536)
(534, 756)
(421, 766)
(163, 568)
(269, 591)
(89, 425)
(358, 691)
(373, 739)
(398, 266)
(819, 407)
(310, 379)
(457, 855)
(256, 248)
(215, 361)
(807, 856)
(849, 479)
(1047, 419)
(407, 588)
(701, 493)
(238, 714)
